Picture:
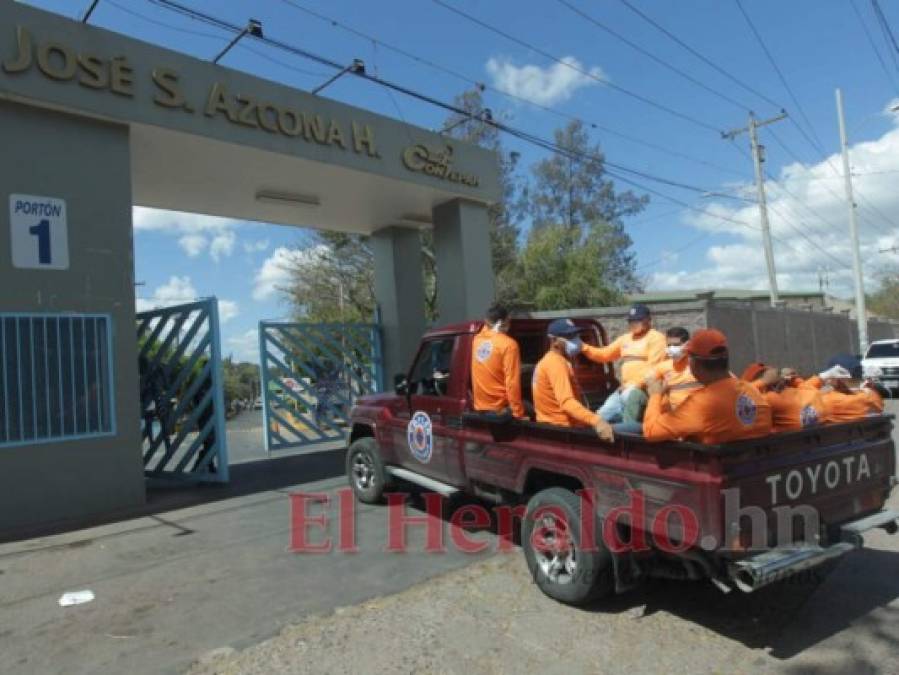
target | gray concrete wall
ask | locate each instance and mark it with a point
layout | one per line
(787, 336)
(399, 291)
(86, 163)
(465, 283)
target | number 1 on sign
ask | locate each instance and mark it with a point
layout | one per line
(42, 232)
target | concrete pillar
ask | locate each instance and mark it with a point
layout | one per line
(465, 282)
(400, 294)
(87, 163)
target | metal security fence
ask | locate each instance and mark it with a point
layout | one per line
(55, 378)
(181, 392)
(312, 373)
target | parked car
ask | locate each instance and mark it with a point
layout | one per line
(570, 487)
(883, 357)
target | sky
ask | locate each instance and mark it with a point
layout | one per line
(654, 105)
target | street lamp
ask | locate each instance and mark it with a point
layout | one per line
(253, 28)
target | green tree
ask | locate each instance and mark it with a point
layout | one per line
(577, 253)
(885, 300)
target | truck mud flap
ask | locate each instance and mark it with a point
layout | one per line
(763, 569)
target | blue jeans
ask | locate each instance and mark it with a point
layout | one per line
(628, 428)
(624, 406)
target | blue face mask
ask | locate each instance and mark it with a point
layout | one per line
(573, 347)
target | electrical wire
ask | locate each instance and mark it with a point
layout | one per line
(507, 94)
(883, 65)
(586, 73)
(698, 55)
(653, 57)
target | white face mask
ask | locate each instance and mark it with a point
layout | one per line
(675, 352)
(499, 327)
(573, 347)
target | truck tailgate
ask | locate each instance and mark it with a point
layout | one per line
(842, 471)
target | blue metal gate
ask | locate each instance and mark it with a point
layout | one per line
(182, 393)
(312, 374)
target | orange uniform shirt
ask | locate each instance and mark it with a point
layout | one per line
(557, 396)
(726, 410)
(496, 373)
(840, 407)
(796, 408)
(638, 356)
(679, 379)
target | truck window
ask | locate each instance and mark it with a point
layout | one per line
(431, 372)
(885, 350)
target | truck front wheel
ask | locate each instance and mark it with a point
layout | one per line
(567, 564)
(365, 470)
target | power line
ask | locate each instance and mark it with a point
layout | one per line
(885, 25)
(502, 92)
(783, 79)
(200, 16)
(698, 55)
(874, 48)
(586, 73)
(650, 55)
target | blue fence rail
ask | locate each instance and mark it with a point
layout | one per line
(55, 378)
(312, 374)
(182, 393)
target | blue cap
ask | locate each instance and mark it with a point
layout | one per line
(638, 313)
(562, 328)
(849, 362)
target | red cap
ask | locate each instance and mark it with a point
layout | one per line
(753, 371)
(707, 343)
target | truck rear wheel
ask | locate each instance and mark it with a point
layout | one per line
(365, 470)
(565, 564)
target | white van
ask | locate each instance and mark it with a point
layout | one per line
(883, 355)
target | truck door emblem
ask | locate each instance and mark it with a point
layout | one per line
(746, 410)
(485, 349)
(420, 437)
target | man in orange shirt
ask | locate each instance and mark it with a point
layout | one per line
(847, 396)
(639, 350)
(557, 396)
(496, 366)
(792, 407)
(675, 370)
(725, 409)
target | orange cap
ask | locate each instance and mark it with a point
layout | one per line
(707, 343)
(753, 371)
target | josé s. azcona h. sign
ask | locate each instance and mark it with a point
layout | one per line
(39, 235)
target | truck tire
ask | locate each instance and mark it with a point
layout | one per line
(555, 553)
(365, 470)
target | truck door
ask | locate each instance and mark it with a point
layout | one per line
(426, 433)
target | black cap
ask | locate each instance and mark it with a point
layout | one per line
(562, 328)
(638, 312)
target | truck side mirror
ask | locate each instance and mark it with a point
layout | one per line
(400, 384)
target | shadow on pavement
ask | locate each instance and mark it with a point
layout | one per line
(785, 618)
(247, 478)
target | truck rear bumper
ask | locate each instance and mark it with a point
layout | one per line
(753, 573)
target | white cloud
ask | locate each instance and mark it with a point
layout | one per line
(553, 84)
(277, 269)
(228, 310)
(196, 233)
(180, 291)
(256, 246)
(810, 223)
(193, 244)
(222, 245)
(244, 347)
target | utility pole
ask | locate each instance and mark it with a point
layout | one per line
(757, 159)
(861, 314)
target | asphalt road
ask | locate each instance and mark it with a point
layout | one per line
(246, 440)
(206, 577)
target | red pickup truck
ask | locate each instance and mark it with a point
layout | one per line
(600, 517)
